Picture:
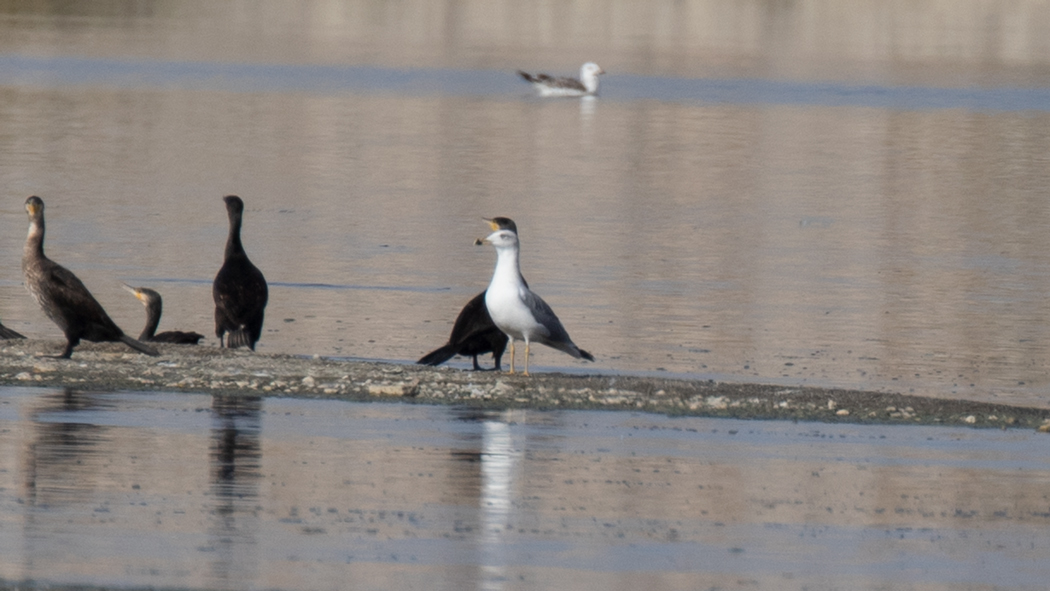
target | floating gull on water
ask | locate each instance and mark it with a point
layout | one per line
(474, 333)
(557, 86)
(516, 310)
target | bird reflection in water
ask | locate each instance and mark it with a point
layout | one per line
(61, 464)
(497, 460)
(235, 462)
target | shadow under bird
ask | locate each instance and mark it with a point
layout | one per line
(239, 289)
(586, 85)
(154, 308)
(63, 297)
(474, 333)
(516, 310)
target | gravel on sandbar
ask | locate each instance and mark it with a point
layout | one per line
(202, 369)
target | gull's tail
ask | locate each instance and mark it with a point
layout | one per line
(570, 348)
(139, 346)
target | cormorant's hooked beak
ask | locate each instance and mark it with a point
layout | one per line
(135, 292)
(492, 224)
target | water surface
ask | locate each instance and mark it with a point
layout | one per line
(137, 490)
(847, 194)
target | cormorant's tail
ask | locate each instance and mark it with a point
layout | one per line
(7, 333)
(585, 354)
(139, 346)
(240, 338)
(438, 356)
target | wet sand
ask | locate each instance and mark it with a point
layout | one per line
(181, 368)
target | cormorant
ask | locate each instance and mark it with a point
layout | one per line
(63, 297)
(519, 312)
(154, 306)
(239, 289)
(474, 333)
(7, 333)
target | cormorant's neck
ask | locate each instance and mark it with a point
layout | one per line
(233, 243)
(35, 240)
(153, 311)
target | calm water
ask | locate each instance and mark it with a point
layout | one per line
(834, 192)
(188, 491)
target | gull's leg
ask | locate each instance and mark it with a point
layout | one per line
(511, 354)
(526, 357)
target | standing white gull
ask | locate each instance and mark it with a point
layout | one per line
(516, 310)
(558, 86)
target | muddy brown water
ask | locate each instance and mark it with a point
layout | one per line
(138, 490)
(834, 193)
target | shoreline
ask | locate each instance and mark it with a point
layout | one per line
(209, 370)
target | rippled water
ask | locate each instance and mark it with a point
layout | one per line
(849, 194)
(139, 490)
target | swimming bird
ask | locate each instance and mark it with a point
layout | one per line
(154, 306)
(516, 310)
(63, 297)
(7, 333)
(239, 289)
(474, 333)
(559, 86)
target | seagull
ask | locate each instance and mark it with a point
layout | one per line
(516, 310)
(473, 332)
(558, 86)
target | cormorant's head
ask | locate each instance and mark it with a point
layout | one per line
(497, 224)
(234, 205)
(143, 294)
(501, 223)
(35, 207)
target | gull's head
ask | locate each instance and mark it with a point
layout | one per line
(502, 239)
(591, 69)
(589, 73)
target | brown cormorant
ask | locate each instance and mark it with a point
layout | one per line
(154, 307)
(7, 333)
(63, 297)
(519, 312)
(239, 289)
(474, 333)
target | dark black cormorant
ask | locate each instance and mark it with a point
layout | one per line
(474, 333)
(63, 297)
(7, 333)
(154, 307)
(239, 289)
